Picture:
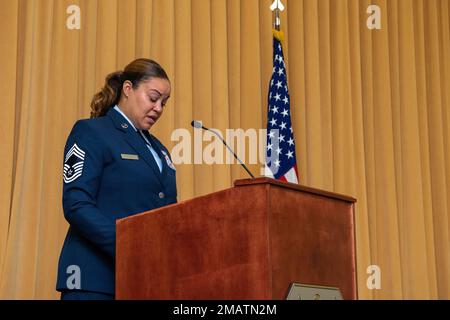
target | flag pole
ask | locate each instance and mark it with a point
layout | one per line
(277, 20)
(276, 7)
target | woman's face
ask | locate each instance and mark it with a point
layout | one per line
(145, 104)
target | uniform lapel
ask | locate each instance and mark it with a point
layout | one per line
(136, 142)
(158, 151)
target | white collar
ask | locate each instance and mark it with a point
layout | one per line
(116, 107)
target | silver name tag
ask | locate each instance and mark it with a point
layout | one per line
(129, 156)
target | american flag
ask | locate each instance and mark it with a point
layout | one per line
(281, 162)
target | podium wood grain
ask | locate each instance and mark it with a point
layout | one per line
(247, 242)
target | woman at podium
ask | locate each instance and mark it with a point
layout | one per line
(113, 167)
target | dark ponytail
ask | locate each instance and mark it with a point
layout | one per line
(108, 96)
(137, 71)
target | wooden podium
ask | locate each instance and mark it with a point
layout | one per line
(247, 242)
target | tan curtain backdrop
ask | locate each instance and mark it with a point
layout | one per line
(370, 108)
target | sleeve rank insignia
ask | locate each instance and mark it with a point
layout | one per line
(73, 164)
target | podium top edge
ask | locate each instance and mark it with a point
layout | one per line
(293, 186)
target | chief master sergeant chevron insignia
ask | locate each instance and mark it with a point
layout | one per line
(73, 164)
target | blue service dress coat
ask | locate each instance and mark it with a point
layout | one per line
(109, 173)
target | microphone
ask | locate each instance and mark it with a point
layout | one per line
(198, 125)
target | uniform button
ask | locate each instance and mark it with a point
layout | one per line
(161, 195)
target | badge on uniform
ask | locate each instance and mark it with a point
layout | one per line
(73, 164)
(125, 156)
(169, 162)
